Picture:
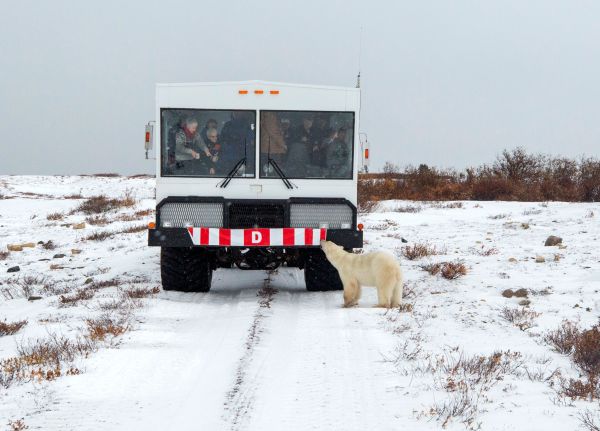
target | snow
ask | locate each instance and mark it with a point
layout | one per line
(245, 357)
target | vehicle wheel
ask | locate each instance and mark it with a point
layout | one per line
(319, 274)
(185, 270)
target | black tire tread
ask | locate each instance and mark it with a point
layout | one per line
(319, 274)
(185, 270)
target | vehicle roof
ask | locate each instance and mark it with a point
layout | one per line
(255, 83)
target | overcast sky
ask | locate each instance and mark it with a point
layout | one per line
(448, 83)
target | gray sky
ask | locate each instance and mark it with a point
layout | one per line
(448, 83)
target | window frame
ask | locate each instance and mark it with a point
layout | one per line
(219, 177)
(352, 176)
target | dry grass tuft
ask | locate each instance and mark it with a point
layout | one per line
(586, 353)
(564, 338)
(17, 425)
(100, 328)
(4, 255)
(417, 251)
(102, 204)
(97, 220)
(135, 229)
(73, 299)
(522, 318)
(487, 252)
(11, 328)
(590, 420)
(453, 270)
(55, 216)
(140, 292)
(42, 359)
(99, 236)
(73, 196)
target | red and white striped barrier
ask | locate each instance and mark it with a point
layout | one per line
(256, 237)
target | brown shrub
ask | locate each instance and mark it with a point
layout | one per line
(11, 328)
(99, 236)
(135, 229)
(55, 216)
(586, 353)
(97, 220)
(514, 175)
(73, 196)
(590, 420)
(453, 270)
(580, 389)
(100, 328)
(102, 204)
(113, 282)
(79, 295)
(17, 425)
(140, 292)
(4, 255)
(522, 318)
(432, 268)
(106, 175)
(563, 338)
(417, 251)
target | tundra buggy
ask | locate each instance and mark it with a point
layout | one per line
(253, 174)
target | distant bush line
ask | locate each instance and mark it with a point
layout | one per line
(515, 175)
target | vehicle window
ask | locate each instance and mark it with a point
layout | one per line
(207, 143)
(306, 144)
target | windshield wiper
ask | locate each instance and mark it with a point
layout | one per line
(277, 169)
(283, 177)
(231, 174)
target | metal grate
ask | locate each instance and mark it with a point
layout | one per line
(242, 215)
(197, 214)
(313, 215)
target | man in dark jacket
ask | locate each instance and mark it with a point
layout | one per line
(237, 141)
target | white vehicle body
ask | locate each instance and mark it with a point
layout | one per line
(258, 96)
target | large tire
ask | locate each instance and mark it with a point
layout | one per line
(319, 274)
(185, 269)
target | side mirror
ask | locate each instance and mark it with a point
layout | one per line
(149, 139)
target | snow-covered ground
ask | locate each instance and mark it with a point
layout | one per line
(260, 353)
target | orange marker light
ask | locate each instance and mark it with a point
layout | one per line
(151, 225)
(360, 226)
(367, 153)
(258, 91)
(147, 136)
(243, 91)
(274, 92)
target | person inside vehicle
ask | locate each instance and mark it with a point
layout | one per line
(338, 156)
(210, 124)
(215, 149)
(188, 143)
(272, 143)
(237, 141)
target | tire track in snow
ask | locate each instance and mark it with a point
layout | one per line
(240, 398)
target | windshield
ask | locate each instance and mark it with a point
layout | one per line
(306, 144)
(207, 143)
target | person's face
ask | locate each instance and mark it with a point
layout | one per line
(308, 123)
(212, 136)
(192, 127)
(211, 125)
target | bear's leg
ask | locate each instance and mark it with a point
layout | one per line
(351, 292)
(397, 294)
(385, 289)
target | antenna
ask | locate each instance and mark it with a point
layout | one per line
(359, 57)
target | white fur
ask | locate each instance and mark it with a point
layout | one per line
(378, 269)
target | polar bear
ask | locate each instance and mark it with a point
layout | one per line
(379, 269)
